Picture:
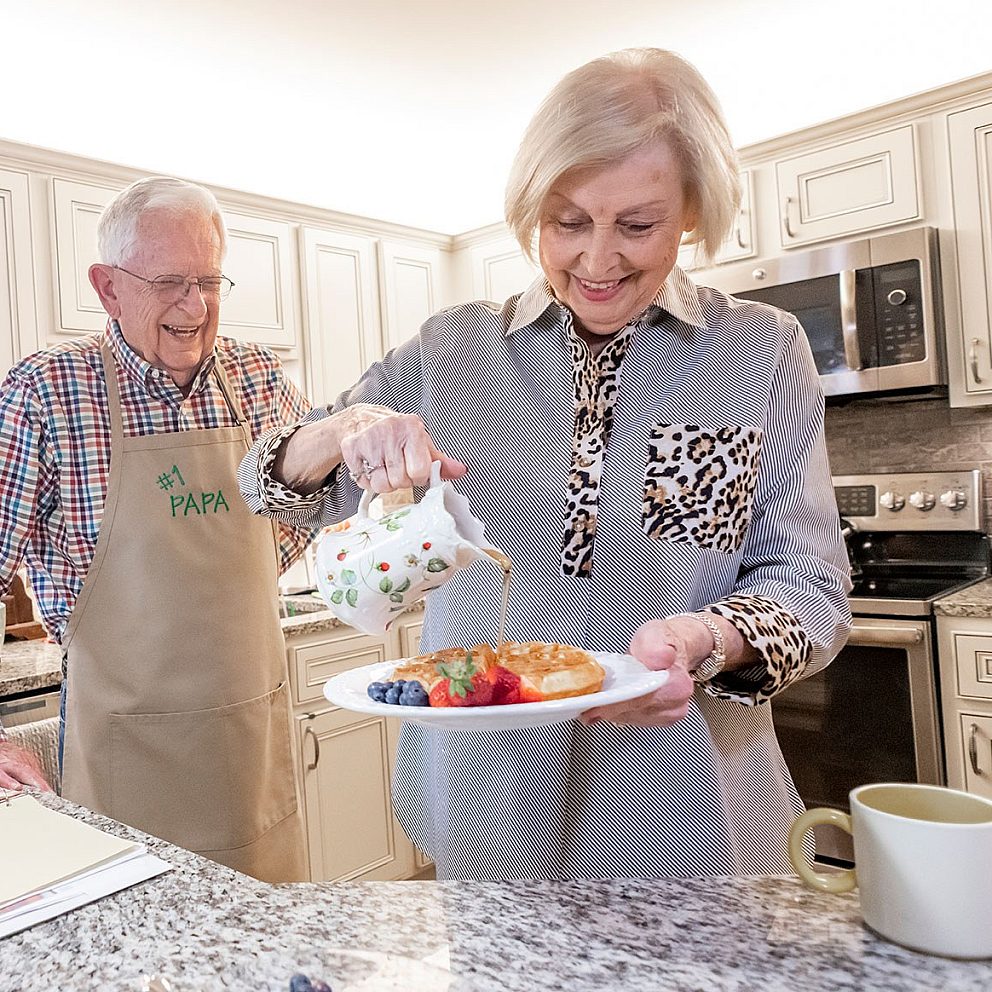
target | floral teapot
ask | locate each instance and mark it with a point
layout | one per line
(369, 570)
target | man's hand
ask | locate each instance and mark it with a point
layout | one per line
(19, 767)
(674, 646)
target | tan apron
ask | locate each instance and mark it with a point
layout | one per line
(178, 710)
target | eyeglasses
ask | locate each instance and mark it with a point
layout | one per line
(172, 289)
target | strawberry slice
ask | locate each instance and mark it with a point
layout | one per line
(462, 684)
(506, 685)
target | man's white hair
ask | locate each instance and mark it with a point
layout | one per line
(117, 229)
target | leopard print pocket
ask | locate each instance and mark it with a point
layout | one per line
(699, 484)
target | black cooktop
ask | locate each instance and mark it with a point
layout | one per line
(908, 587)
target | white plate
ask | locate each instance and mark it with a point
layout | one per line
(626, 678)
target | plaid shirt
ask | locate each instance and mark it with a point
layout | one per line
(55, 439)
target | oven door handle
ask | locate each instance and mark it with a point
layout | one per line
(884, 636)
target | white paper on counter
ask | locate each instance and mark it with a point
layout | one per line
(78, 891)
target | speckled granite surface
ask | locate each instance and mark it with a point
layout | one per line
(975, 601)
(206, 928)
(29, 665)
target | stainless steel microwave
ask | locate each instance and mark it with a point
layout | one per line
(870, 308)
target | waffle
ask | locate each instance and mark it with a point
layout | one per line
(551, 671)
(423, 669)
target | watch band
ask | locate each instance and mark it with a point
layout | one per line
(712, 665)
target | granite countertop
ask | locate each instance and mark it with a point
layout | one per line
(207, 928)
(26, 666)
(973, 601)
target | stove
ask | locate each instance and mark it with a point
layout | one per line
(872, 714)
(911, 538)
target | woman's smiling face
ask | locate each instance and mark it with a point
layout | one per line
(609, 236)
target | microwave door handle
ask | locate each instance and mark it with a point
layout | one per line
(849, 319)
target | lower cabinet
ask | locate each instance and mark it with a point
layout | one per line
(965, 646)
(346, 760)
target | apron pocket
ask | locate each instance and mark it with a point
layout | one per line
(207, 780)
(699, 485)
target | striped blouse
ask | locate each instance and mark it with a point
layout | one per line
(684, 470)
(55, 435)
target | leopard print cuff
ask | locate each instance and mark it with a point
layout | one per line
(780, 640)
(275, 495)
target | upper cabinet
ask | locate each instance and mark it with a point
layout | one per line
(18, 325)
(500, 270)
(849, 187)
(261, 261)
(77, 208)
(413, 288)
(341, 307)
(741, 242)
(970, 356)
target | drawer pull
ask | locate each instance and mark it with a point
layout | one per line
(316, 747)
(785, 217)
(973, 358)
(973, 750)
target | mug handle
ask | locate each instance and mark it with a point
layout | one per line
(368, 495)
(839, 881)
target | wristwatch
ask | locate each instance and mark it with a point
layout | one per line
(709, 667)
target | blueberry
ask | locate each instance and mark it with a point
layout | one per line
(377, 692)
(393, 694)
(414, 695)
(300, 983)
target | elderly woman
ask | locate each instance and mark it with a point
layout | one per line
(650, 454)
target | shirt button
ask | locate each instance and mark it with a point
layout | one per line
(585, 462)
(579, 525)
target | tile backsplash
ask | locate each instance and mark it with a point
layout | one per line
(921, 435)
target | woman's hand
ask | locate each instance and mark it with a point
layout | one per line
(393, 452)
(675, 645)
(382, 449)
(20, 767)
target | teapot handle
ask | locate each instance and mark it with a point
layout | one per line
(368, 495)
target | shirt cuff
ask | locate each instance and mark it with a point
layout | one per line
(275, 495)
(782, 644)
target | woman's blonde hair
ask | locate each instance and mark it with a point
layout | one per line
(117, 228)
(615, 105)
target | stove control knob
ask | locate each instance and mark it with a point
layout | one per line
(892, 500)
(954, 499)
(922, 500)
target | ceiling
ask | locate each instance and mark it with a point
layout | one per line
(410, 111)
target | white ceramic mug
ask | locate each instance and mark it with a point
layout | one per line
(370, 570)
(923, 865)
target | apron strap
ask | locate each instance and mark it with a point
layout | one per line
(232, 401)
(113, 397)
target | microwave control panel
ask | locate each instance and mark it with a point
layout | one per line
(898, 307)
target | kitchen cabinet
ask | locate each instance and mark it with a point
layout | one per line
(852, 186)
(498, 269)
(76, 209)
(341, 308)
(261, 261)
(413, 288)
(965, 651)
(346, 759)
(970, 146)
(18, 320)
(742, 241)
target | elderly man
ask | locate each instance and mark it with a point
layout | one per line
(118, 491)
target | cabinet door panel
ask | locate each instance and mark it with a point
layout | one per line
(261, 261)
(313, 663)
(970, 137)
(18, 322)
(854, 186)
(77, 208)
(976, 738)
(500, 270)
(350, 828)
(341, 292)
(411, 288)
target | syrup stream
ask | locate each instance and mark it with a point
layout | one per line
(503, 561)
